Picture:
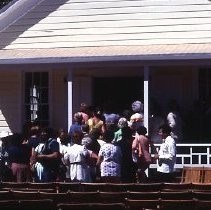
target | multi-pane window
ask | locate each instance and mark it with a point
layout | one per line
(37, 97)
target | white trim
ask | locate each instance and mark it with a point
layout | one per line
(163, 57)
(70, 97)
(14, 11)
(50, 97)
(20, 98)
(146, 96)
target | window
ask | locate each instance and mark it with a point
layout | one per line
(36, 100)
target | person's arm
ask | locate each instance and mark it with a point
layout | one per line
(93, 155)
(100, 157)
(33, 156)
(99, 160)
(53, 155)
(135, 144)
(66, 158)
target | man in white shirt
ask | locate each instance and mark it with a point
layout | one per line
(166, 155)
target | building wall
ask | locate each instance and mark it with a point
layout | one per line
(10, 101)
(166, 82)
(58, 101)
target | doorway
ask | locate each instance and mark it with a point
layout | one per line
(120, 91)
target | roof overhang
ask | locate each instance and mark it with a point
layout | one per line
(108, 53)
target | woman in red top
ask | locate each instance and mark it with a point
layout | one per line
(141, 153)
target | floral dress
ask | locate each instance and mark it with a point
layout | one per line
(111, 164)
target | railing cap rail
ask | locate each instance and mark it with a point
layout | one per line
(190, 145)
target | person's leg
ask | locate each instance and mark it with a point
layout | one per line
(141, 176)
(48, 175)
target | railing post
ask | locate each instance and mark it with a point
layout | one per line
(191, 151)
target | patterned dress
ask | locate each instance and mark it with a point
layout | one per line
(111, 164)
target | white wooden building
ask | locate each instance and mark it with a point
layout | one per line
(60, 53)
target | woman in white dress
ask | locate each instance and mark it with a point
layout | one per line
(77, 158)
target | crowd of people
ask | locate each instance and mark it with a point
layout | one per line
(100, 146)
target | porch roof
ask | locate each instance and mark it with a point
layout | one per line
(111, 53)
(44, 31)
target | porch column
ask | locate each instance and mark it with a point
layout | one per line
(146, 97)
(70, 98)
(146, 102)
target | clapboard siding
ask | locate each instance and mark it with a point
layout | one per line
(123, 4)
(112, 37)
(119, 30)
(80, 23)
(134, 16)
(3, 123)
(83, 15)
(123, 10)
(119, 23)
(144, 2)
(108, 43)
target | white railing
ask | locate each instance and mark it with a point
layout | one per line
(191, 155)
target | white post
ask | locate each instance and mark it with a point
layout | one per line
(146, 101)
(70, 98)
(146, 97)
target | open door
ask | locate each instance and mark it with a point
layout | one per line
(120, 91)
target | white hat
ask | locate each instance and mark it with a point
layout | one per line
(136, 117)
